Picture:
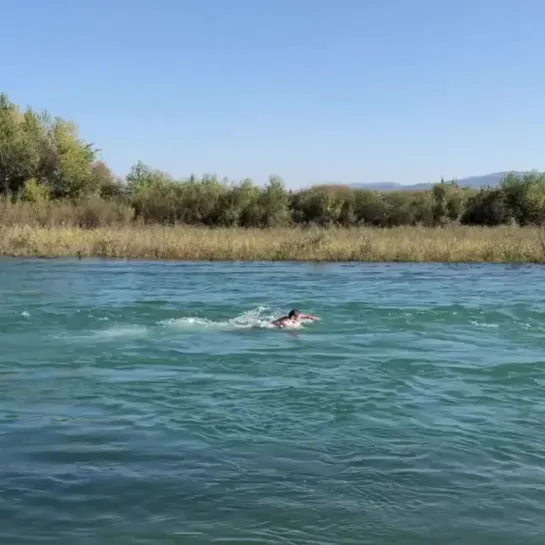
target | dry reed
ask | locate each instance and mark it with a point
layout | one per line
(408, 244)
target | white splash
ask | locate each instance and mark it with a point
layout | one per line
(118, 331)
(482, 324)
(259, 318)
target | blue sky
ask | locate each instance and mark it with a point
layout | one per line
(310, 90)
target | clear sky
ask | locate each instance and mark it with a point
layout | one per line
(310, 90)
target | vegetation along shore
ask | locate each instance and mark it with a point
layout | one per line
(58, 199)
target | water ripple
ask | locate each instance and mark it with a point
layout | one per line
(153, 403)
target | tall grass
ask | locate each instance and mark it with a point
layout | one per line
(97, 228)
(88, 213)
(410, 244)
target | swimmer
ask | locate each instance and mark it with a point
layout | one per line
(293, 319)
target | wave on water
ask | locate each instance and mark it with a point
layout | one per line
(111, 333)
(258, 318)
(122, 331)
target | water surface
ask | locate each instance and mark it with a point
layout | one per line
(151, 403)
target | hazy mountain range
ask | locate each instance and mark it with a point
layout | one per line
(476, 182)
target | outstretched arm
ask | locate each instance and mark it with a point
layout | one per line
(309, 317)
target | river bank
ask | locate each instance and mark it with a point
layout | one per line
(406, 244)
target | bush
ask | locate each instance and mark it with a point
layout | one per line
(50, 176)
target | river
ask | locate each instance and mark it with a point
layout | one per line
(152, 403)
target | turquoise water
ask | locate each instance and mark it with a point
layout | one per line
(150, 403)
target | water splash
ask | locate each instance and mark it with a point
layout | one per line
(121, 331)
(258, 318)
(98, 335)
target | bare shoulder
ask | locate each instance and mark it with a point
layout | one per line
(284, 321)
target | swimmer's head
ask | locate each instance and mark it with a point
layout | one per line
(294, 313)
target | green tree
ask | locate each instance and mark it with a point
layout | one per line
(524, 197)
(273, 203)
(488, 207)
(18, 157)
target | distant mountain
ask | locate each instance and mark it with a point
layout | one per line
(475, 182)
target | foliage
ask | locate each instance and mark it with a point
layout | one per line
(45, 162)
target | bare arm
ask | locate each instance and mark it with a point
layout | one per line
(309, 317)
(280, 322)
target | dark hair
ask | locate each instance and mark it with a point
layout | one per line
(293, 313)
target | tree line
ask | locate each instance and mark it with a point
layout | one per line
(43, 160)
